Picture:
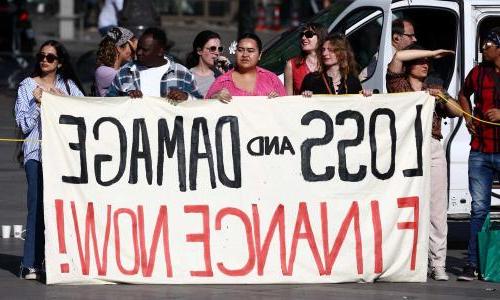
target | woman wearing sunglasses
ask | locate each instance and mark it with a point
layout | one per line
(205, 60)
(53, 74)
(116, 48)
(246, 79)
(338, 73)
(309, 59)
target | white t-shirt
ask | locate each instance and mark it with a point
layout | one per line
(107, 16)
(151, 78)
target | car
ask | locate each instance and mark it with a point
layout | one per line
(458, 25)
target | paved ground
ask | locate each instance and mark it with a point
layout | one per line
(12, 211)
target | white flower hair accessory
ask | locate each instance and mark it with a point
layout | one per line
(232, 47)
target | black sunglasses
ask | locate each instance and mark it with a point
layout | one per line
(214, 48)
(308, 34)
(49, 57)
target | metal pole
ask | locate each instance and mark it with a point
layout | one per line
(66, 19)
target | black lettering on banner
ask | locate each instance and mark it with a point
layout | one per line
(195, 155)
(170, 143)
(373, 142)
(235, 150)
(308, 144)
(343, 144)
(270, 145)
(139, 127)
(261, 146)
(99, 159)
(286, 145)
(80, 146)
(418, 171)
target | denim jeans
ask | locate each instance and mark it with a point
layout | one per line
(482, 168)
(34, 242)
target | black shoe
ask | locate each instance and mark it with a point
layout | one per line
(468, 274)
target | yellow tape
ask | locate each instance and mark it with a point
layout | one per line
(465, 113)
(17, 140)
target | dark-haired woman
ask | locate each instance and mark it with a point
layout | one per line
(53, 74)
(203, 60)
(339, 70)
(246, 79)
(309, 60)
(116, 48)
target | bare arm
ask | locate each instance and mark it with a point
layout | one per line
(465, 104)
(396, 64)
(288, 78)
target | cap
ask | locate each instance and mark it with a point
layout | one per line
(120, 35)
(494, 37)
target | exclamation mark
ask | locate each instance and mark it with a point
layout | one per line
(60, 233)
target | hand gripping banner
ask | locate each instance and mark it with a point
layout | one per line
(285, 190)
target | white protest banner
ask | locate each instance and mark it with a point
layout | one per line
(285, 190)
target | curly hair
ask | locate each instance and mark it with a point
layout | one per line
(345, 55)
(107, 53)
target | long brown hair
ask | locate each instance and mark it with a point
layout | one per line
(343, 52)
(321, 33)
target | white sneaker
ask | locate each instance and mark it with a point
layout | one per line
(439, 274)
(32, 274)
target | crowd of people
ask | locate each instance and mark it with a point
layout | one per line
(139, 66)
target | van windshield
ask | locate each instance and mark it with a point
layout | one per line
(286, 46)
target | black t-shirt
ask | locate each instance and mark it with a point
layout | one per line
(314, 82)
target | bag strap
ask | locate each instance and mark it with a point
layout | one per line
(486, 224)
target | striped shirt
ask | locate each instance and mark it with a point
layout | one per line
(177, 76)
(27, 114)
(266, 83)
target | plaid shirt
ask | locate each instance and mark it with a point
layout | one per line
(484, 83)
(177, 76)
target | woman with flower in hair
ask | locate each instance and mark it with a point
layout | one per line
(116, 48)
(309, 60)
(338, 73)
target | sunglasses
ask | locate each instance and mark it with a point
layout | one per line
(308, 34)
(488, 44)
(214, 48)
(49, 57)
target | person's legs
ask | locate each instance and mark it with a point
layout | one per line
(438, 213)
(33, 244)
(480, 183)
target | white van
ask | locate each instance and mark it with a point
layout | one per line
(459, 25)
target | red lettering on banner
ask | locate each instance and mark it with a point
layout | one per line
(90, 228)
(331, 256)
(412, 202)
(248, 230)
(303, 219)
(60, 232)
(133, 218)
(377, 236)
(203, 237)
(161, 225)
(278, 220)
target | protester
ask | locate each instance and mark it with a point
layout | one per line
(338, 73)
(407, 72)
(53, 74)
(108, 17)
(402, 36)
(483, 81)
(205, 60)
(246, 79)
(296, 68)
(116, 48)
(153, 73)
